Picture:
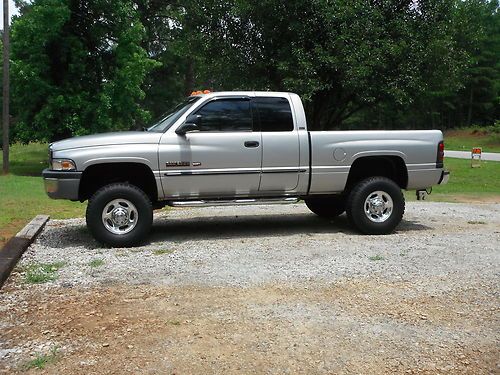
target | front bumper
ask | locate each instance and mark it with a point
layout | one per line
(62, 185)
(445, 176)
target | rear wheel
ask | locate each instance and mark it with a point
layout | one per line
(119, 215)
(375, 205)
(327, 207)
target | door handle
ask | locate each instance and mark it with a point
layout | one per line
(251, 144)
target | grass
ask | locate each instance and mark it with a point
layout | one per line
(162, 252)
(376, 257)
(466, 139)
(96, 263)
(39, 273)
(22, 194)
(467, 182)
(42, 360)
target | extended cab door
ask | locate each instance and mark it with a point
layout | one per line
(222, 159)
(280, 145)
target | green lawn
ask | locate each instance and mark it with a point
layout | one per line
(22, 195)
(469, 184)
(466, 139)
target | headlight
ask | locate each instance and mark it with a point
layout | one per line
(63, 165)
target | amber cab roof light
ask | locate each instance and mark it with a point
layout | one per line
(200, 92)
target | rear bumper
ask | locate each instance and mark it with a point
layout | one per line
(445, 176)
(62, 185)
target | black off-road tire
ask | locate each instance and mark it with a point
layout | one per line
(355, 206)
(108, 193)
(327, 207)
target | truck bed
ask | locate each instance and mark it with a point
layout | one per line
(334, 153)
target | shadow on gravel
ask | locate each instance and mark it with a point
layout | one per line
(410, 226)
(63, 236)
(166, 229)
(222, 227)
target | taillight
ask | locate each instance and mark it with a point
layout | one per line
(440, 155)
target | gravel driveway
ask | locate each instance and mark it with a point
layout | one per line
(263, 289)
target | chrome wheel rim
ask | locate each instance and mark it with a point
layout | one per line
(378, 206)
(119, 216)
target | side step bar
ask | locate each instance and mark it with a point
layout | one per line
(233, 202)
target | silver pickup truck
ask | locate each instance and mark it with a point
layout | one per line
(241, 148)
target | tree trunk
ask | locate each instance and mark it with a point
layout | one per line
(469, 112)
(5, 110)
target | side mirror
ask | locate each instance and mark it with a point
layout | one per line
(191, 125)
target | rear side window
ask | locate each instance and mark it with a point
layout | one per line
(226, 115)
(274, 113)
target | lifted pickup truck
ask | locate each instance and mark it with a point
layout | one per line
(241, 148)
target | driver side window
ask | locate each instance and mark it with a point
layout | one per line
(225, 115)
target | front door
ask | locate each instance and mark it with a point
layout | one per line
(222, 159)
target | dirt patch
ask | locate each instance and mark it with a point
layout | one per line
(9, 230)
(348, 327)
(466, 133)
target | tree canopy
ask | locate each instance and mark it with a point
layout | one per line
(78, 67)
(96, 65)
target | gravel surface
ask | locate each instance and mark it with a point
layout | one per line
(260, 280)
(234, 246)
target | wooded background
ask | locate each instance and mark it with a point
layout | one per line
(86, 66)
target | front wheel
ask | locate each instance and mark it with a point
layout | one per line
(119, 215)
(375, 205)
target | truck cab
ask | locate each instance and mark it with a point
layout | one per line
(236, 145)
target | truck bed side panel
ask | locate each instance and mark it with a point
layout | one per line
(334, 152)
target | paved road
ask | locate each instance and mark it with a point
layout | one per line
(493, 156)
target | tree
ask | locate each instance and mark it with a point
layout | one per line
(97, 65)
(78, 68)
(5, 88)
(342, 57)
(480, 94)
(163, 41)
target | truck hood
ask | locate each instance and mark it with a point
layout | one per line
(117, 138)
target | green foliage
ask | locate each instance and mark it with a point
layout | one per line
(77, 68)
(42, 360)
(378, 64)
(88, 66)
(488, 138)
(39, 273)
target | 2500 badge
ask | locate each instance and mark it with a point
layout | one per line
(182, 164)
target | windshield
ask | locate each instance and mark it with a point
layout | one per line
(169, 117)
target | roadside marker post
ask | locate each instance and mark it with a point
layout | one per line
(476, 157)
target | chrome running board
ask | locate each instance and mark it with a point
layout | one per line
(233, 202)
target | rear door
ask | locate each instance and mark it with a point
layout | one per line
(280, 145)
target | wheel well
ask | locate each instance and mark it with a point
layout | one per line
(392, 167)
(99, 175)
